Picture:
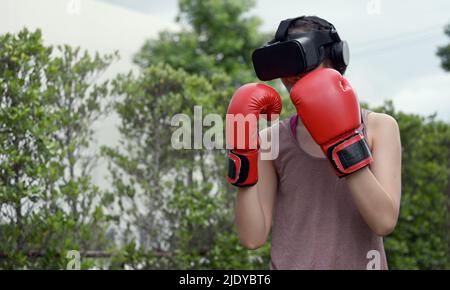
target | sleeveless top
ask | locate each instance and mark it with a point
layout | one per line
(316, 224)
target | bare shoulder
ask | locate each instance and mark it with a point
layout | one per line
(380, 120)
(380, 125)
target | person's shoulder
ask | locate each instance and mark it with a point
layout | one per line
(380, 124)
(381, 120)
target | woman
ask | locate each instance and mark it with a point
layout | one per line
(318, 220)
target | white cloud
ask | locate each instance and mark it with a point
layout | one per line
(391, 59)
(426, 96)
(92, 25)
(390, 52)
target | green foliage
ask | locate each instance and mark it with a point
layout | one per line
(212, 55)
(218, 36)
(421, 237)
(170, 208)
(168, 195)
(444, 52)
(47, 105)
(27, 151)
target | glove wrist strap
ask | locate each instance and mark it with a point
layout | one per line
(243, 168)
(350, 154)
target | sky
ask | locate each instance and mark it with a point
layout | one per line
(393, 42)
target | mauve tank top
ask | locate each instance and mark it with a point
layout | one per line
(316, 223)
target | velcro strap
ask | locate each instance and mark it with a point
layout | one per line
(243, 168)
(350, 154)
(353, 154)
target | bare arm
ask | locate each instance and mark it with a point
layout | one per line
(377, 191)
(254, 206)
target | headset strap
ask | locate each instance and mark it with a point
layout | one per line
(321, 38)
(283, 28)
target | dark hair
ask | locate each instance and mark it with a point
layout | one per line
(313, 23)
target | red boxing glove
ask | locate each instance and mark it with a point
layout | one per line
(246, 106)
(329, 109)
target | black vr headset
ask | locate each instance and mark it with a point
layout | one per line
(291, 55)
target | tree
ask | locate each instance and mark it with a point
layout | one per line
(444, 52)
(48, 204)
(218, 36)
(171, 208)
(167, 195)
(214, 52)
(419, 241)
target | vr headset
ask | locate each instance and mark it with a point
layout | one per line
(291, 55)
